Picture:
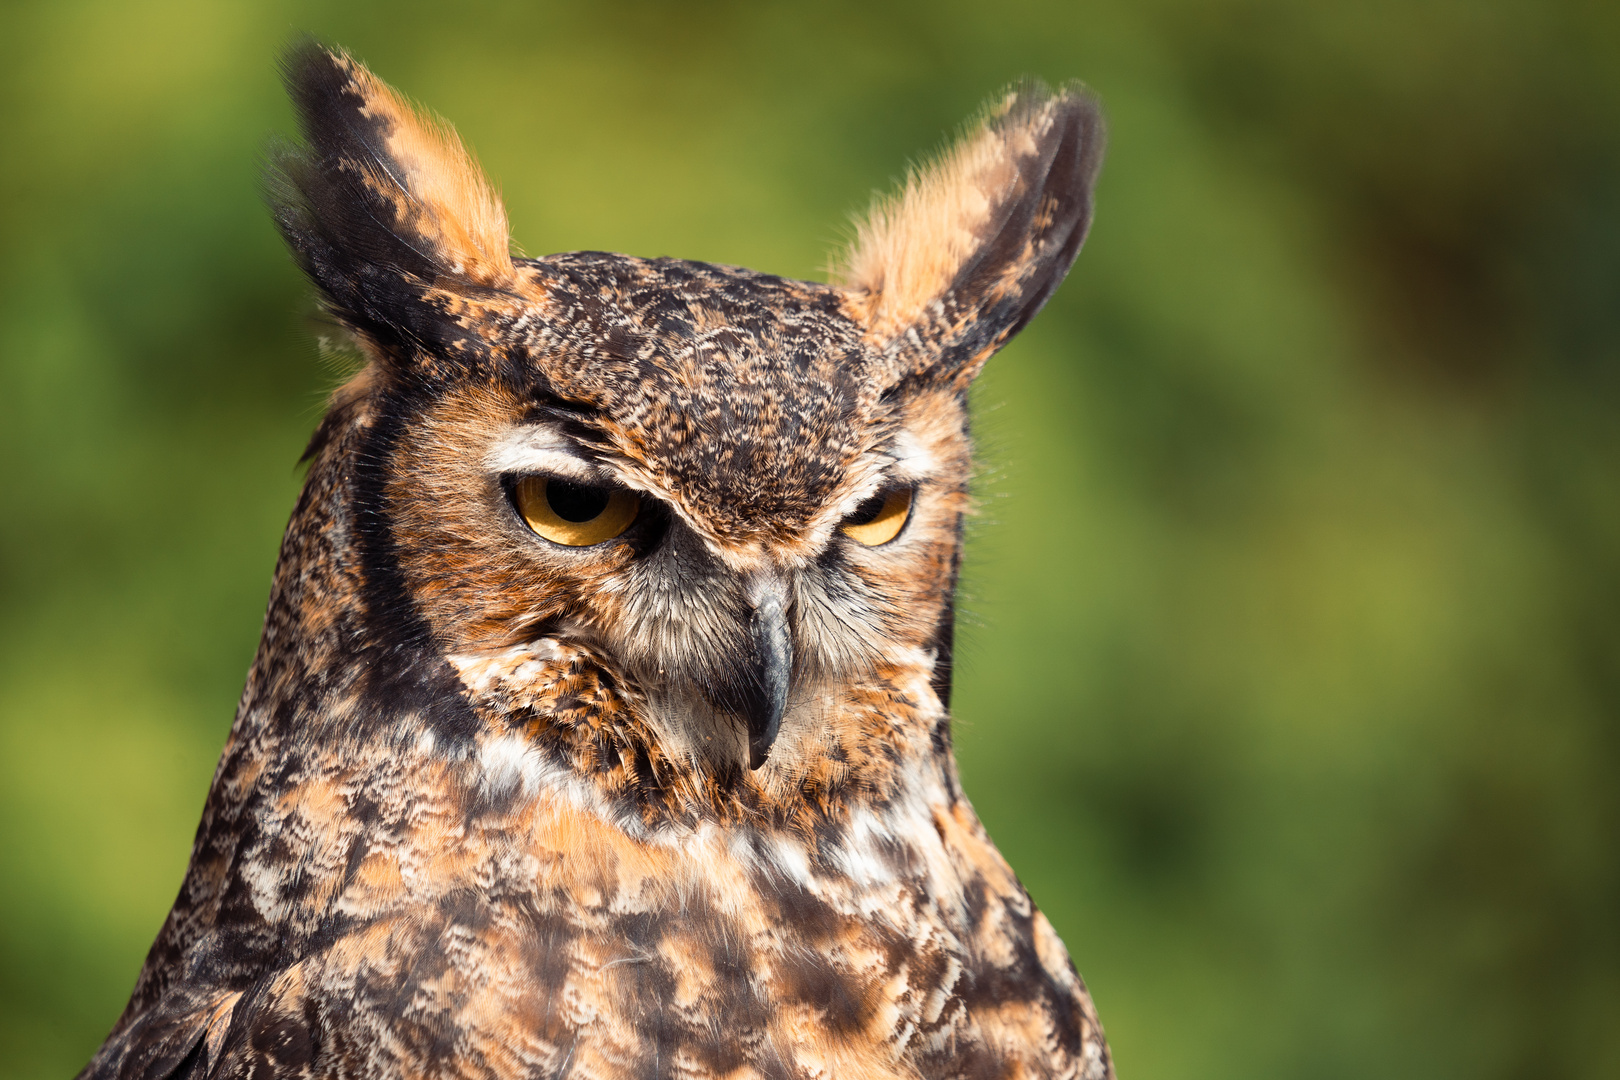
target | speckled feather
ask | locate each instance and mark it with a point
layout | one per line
(487, 809)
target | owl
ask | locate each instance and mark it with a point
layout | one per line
(599, 726)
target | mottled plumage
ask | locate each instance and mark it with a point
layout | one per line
(680, 802)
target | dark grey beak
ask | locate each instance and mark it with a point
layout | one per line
(765, 694)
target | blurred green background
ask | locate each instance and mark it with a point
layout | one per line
(1292, 679)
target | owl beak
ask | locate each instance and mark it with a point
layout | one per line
(766, 693)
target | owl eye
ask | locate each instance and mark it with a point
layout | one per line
(880, 518)
(571, 513)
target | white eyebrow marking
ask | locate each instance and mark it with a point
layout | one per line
(905, 460)
(540, 449)
(912, 460)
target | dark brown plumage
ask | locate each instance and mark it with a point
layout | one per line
(500, 802)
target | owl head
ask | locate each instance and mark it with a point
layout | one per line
(739, 496)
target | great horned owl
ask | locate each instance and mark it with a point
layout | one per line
(599, 725)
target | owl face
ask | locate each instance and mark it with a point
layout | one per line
(743, 495)
(727, 503)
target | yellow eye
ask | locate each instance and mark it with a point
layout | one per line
(574, 514)
(880, 518)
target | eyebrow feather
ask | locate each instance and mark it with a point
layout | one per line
(543, 448)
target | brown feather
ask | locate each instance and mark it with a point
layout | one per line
(486, 808)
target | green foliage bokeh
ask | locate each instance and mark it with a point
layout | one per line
(1290, 682)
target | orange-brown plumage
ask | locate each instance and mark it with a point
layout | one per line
(680, 802)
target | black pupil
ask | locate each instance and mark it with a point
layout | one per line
(867, 512)
(575, 502)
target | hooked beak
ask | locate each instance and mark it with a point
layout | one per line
(764, 689)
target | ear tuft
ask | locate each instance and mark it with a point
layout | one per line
(384, 203)
(976, 242)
